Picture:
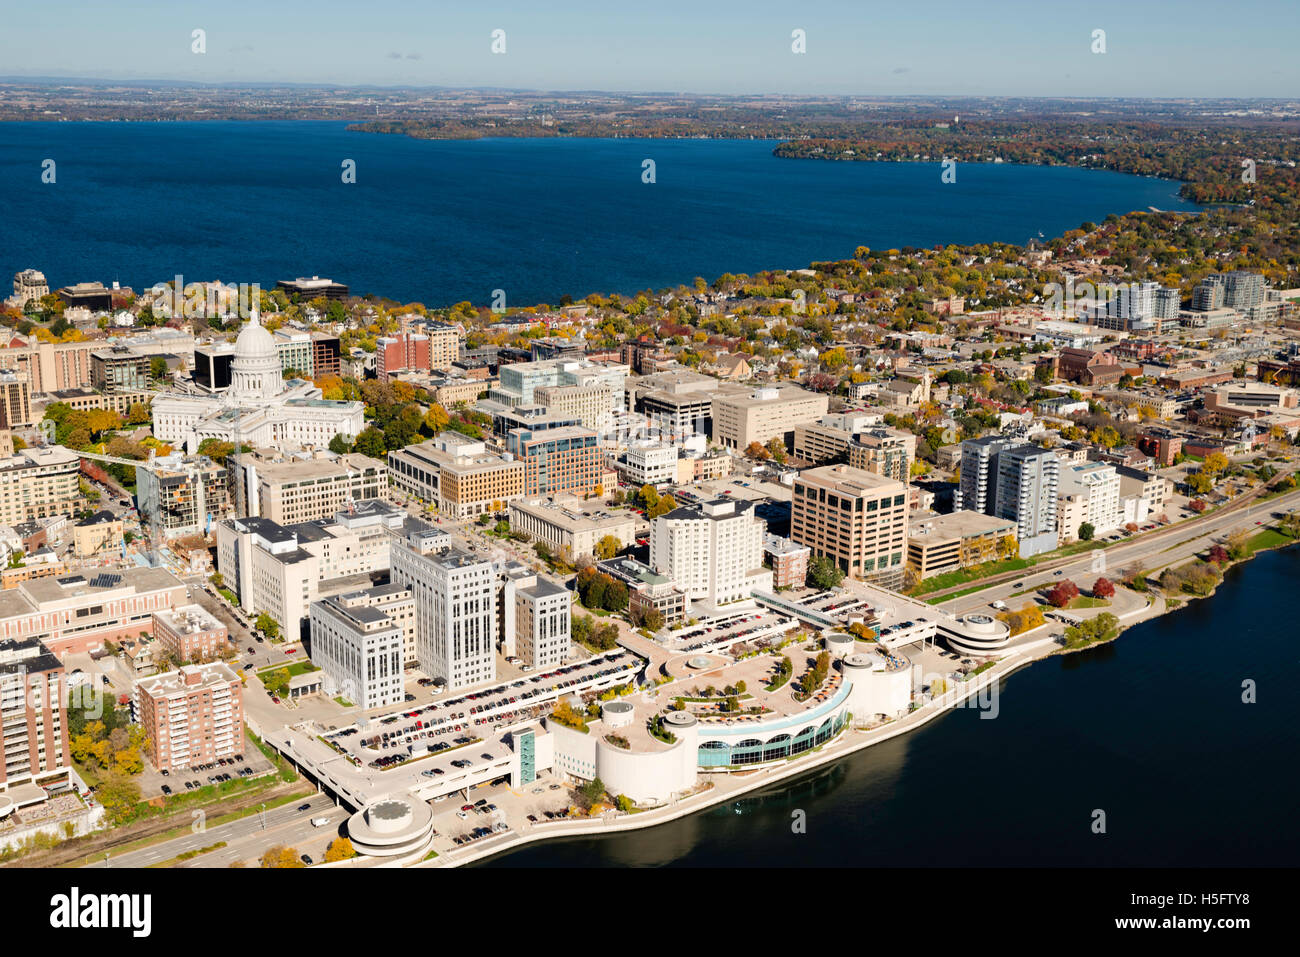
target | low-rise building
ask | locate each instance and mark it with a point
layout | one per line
(97, 534)
(77, 612)
(286, 488)
(458, 474)
(944, 543)
(569, 526)
(788, 559)
(190, 633)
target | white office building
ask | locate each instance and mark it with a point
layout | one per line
(542, 624)
(359, 649)
(455, 607)
(712, 551)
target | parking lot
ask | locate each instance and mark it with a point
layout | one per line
(391, 739)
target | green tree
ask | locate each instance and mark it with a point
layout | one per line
(371, 442)
(267, 625)
(340, 445)
(157, 367)
(823, 573)
(1086, 531)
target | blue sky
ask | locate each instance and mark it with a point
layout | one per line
(1162, 48)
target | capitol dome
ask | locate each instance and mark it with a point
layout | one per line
(255, 371)
(254, 342)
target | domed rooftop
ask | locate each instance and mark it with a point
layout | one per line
(254, 341)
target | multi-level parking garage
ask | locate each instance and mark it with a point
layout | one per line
(453, 744)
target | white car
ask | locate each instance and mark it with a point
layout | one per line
(462, 815)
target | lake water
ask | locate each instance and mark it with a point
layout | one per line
(1151, 729)
(441, 222)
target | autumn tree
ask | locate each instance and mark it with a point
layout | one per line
(340, 849)
(281, 856)
(608, 547)
(1103, 588)
(1062, 593)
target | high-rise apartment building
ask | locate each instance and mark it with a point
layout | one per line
(33, 721)
(183, 495)
(39, 483)
(1028, 479)
(1088, 492)
(191, 716)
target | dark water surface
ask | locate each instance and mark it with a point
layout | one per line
(442, 221)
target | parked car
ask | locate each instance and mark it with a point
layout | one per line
(166, 789)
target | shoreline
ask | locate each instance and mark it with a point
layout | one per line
(848, 743)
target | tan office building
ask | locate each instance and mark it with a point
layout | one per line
(764, 414)
(856, 518)
(944, 543)
(457, 473)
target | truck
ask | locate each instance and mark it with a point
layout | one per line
(320, 822)
(999, 605)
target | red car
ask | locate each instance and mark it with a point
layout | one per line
(291, 651)
(275, 699)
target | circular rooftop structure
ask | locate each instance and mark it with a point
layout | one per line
(839, 644)
(679, 719)
(617, 714)
(391, 826)
(7, 806)
(699, 662)
(977, 634)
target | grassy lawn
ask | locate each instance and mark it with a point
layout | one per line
(963, 575)
(1083, 601)
(1268, 538)
(296, 668)
(958, 594)
(343, 701)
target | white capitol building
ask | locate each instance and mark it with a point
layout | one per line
(259, 408)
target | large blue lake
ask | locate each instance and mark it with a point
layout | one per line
(441, 222)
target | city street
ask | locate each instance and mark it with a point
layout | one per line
(246, 838)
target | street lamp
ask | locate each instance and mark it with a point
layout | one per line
(263, 816)
(106, 859)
